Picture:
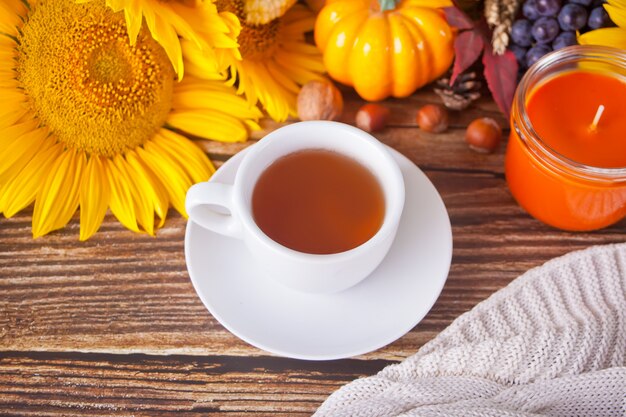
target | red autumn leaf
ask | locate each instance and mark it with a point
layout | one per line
(501, 76)
(457, 18)
(467, 48)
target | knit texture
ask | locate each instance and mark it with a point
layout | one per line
(551, 343)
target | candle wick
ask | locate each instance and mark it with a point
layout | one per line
(596, 120)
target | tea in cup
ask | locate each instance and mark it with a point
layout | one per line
(316, 203)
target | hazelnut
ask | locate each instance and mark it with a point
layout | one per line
(432, 118)
(372, 117)
(319, 100)
(483, 135)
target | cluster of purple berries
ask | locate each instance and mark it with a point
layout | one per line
(548, 25)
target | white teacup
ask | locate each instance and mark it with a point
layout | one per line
(298, 270)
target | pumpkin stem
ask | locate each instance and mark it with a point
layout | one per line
(387, 4)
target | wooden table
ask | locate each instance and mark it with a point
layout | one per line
(113, 326)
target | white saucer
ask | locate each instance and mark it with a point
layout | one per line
(374, 313)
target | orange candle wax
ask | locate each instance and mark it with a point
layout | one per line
(566, 158)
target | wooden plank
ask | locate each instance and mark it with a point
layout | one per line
(58, 384)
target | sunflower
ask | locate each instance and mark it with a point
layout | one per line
(195, 20)
(276, 60)
(89, 119)
(615, 36)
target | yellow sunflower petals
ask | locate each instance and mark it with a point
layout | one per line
(214, 30)
(10, 13)
(72, 182)
(118, 5)
(11, 97)
(200, 62)
(94, 197)
(277, 101)
(9, 83)
(174, 179)
(229, 46)
(57, 199)
(7, 64)
(144, 210)
(209, 125)
(311, 62)
(150, 186)
(19, 152)
(21, 191)
(615, 37)
(226, 102)
(617, 14)
(618, 3)
(179, 17)
(133, 17)
(300, 48)
(187, 154)
(202, 84)
(283, 80)
(165, 34)
(8, 118)
(252, 125)
(296, 71)
(121, 202)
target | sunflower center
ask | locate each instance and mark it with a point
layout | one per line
(109, 66)
(255, 41)
(84, 80)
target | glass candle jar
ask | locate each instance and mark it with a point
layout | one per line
(566, 157)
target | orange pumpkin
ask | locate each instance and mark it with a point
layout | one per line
(385, 48)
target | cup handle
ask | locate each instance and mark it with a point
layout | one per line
(205, 194)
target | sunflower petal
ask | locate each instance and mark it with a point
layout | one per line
(283, 80)
(121, 203)
(134, 19)
(8, 118)
(11, 97)
(94, 199)
(210, 125)
(615, 37)
(226, 101)
(187, 154)
(57, 199)
(174, 179)
(144, 209)
(19, 152)
(22, 190)
(149, 183)
(617, 13)
(277, 101)
(618, 3)
(167, 37)
(179, 17)
(10, 13)
(199, 61)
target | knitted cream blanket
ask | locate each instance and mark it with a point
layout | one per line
(552, 343)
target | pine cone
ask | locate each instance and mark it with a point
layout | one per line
(464, 91)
